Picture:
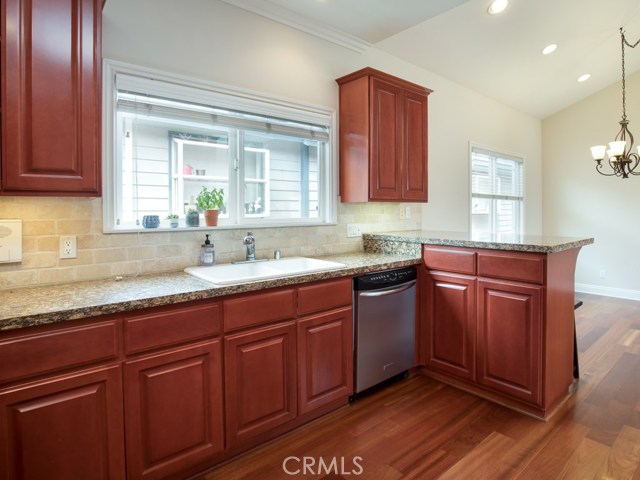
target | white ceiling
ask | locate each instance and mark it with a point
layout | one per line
(498, 56)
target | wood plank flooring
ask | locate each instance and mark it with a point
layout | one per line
(422, 429)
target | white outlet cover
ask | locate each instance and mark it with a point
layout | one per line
(10, 241)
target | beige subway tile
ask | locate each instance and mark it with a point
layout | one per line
(56, 275)
(39, 260)
(38, 227)
(108, 255)
(93, 272)
(48, 243)
(155, 238)
(17, 278)
(92, 241)
(74, 227)
(123, 239)
(125, 268)
(141, 252)
(53, 212)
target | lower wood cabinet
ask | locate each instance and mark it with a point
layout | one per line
(260, 380)
(450, 312)
(64, 427)
(173, 410)
(510, 339)
(325, 359)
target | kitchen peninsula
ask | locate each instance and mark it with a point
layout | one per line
(497, 313)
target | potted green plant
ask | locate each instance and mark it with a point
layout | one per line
(210, 201)
(173, 220)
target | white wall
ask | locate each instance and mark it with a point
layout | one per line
(579, 201)
(216, 41)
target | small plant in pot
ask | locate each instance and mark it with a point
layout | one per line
(174, 220)
(210, 201)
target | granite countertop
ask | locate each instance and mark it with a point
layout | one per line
(25, 307)
(520, 243)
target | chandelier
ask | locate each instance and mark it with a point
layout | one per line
(621, 159)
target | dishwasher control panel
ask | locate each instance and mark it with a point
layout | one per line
(386, 278)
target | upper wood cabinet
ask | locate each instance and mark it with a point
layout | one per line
(383, 138)
(51, 74)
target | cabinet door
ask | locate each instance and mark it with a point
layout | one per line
(66, 427)
(51, 96)
(450, 324)
(260, 380)
(325, 359)
(415, 157)
(173, 409)
(509, 338)
(385, 180)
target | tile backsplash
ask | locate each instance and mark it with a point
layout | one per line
(100, 255)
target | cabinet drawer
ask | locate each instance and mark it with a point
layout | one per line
(31, 355)
(522, 266)
(167, 326)
(450, 259)
(325, 296)
(259, 308)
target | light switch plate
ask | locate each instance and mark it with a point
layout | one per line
(10, 241)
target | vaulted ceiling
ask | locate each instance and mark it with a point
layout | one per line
(499, 56)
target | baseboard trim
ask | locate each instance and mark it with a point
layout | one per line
(608, 291)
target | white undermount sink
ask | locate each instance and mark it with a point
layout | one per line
(231, 273)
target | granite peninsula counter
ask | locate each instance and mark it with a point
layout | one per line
(392, 241)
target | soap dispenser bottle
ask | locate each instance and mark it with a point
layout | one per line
(207, 253)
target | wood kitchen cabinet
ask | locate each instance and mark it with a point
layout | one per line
(500, 324)
(50, 98)
(510, 338)
(325, 359)
(173, 391)
(64, 427)
(60, 401)
(383, 138)
(450, 336)
(173, 410)
(260, 380)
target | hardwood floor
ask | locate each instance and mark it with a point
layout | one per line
(421, 429)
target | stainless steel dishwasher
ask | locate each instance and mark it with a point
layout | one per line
(384, 325)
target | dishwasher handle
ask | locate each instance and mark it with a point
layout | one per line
(391, 291)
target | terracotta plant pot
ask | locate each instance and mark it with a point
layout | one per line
(211, 217)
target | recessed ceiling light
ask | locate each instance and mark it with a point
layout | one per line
(497, 6)
(584, 77)
(549, 49)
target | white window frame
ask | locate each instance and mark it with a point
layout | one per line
(510, 155)
(224, 96)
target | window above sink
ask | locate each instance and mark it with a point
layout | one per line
(166, 137)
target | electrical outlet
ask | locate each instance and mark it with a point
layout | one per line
(407, 212)
(354, 230)
(68, 247)
(402, 212)
(603, 274)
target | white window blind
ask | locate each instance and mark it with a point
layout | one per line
(497, 192)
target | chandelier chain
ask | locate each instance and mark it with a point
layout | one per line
(624, 93)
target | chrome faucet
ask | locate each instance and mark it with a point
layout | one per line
(250, 242)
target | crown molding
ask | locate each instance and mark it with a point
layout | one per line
(291, 19)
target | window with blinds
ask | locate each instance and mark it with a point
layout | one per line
(497, 196)
(169, 139)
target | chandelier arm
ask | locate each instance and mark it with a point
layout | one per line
(599, 170)
(635, 158)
